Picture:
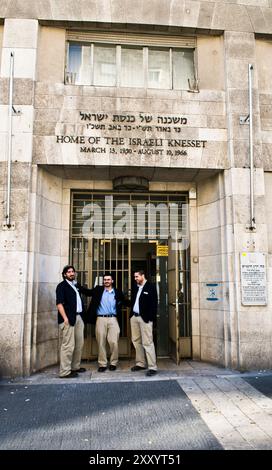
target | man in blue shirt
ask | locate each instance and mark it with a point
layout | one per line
(104, 311)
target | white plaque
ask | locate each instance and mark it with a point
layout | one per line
(253, 279)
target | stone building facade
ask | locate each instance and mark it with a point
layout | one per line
(89, 122)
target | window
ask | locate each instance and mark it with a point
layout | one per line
(104, 66)
(159, 69)
(78, 65)
(132, 72)
(129, 66)
(183, 68)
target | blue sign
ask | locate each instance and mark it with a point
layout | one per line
(212, 292)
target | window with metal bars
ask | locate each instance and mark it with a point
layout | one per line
(149, 201)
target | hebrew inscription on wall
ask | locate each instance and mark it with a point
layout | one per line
(133, 134)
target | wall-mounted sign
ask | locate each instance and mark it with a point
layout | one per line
(162, 250)
(212, 294)
(132, 134)
(253, 279)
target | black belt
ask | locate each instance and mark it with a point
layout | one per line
(136, 314)
(112, 315)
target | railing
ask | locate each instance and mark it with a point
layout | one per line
(70, 78)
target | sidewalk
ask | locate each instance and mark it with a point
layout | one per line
(191, 406)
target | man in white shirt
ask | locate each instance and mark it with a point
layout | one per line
(70, 311)
(144, 302)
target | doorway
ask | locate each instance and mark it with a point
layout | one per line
(167, 268)
(144, 256)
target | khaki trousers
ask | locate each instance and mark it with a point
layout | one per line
(107, 329)
(142, 339)
(71, 346)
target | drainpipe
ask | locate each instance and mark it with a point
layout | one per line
(252, 224)
(11, 73)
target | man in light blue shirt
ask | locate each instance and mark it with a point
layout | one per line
(108, 302)
(105, 311)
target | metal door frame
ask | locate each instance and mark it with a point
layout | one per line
(85, 266)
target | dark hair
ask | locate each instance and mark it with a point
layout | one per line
(140, 271)
(66, 268)
(108, 274)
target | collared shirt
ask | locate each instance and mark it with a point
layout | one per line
(136, 307)
(108, 303)
(79, 303)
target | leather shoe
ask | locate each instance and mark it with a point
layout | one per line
(151, 372)
(112, 367)
(81, 369)
(101, 369)
(137, 368)
(72, 375)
